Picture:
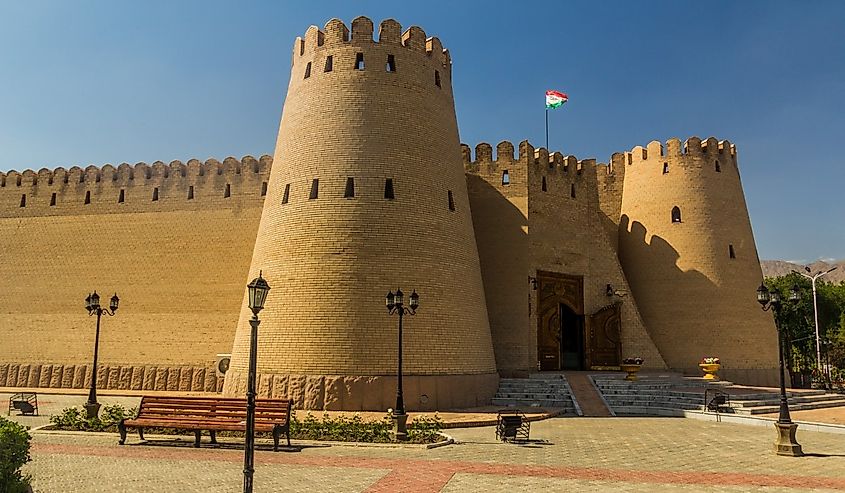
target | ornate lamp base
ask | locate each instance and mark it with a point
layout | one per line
(92, 409)
(786, 444)
(400, 427)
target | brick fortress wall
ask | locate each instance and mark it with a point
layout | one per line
(172, 240)
(359, 112)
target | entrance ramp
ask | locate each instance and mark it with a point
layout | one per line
(587, 395)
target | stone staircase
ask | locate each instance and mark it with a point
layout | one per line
(667, 396)
(538, 391)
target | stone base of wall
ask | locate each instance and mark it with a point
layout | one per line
(370, 393)
(169, 378)
(758, 377)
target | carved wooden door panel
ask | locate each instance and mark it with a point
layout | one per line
(605, 348)
(548, 329)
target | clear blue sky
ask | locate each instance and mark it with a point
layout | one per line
(94, 82)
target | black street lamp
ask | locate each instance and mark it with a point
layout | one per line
(258, 290)
(785, 444)
(395, 304)
(92, 304)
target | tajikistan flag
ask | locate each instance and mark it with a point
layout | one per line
(555, 99)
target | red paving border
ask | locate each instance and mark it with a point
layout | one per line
(430, 476)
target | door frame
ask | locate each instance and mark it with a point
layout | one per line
(568, 290)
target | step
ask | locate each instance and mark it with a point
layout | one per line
(566, 404)
(775, 400)
(792, 407)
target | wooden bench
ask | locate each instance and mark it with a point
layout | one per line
(212, 414)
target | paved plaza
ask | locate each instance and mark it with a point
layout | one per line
(566, 454)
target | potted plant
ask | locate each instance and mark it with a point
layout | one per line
(631, 366)
(710, 366)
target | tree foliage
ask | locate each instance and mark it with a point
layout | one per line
(797, 320)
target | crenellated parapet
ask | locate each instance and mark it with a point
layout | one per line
(533, 170)
(406, 60)
(390, 35)
(692, 150)
(109, 188)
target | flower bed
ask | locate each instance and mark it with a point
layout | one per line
(340, 428)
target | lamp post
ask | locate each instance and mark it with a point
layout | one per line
(92, 305)
(395, 304)
(816, 308)
(258, 290)
(785, 444)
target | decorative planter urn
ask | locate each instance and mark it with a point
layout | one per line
(631, 370)
(710, 370)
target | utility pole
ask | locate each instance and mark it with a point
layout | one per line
(813, 279)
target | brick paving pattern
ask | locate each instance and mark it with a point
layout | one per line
(566, 454)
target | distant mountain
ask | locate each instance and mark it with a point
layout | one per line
(772, 268)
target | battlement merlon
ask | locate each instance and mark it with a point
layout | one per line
(693, 146)
(335, 33)
(126, 172)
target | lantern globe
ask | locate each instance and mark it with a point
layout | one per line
(389, 300)
(763, 296)
(258, 290)
(795, 293)
(400, 297)
(88, 303)
(114, 302)
(95, 301)
(775, 295)
(415, 300)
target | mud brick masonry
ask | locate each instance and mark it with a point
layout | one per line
(524, 260)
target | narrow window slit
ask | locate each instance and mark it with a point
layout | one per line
(23, 200)
(228, 192)
(121, 196)
(544, 184)
(437, 78)
(263, 188)
(329, 61)
(391, 63)
(307, 71)
(286, 195)
(155, 194)
(388, 189)
(315, 188)
(665, 168)
(359, 61)
(53, 199)
(572, 190)
(731, 251)
(87, 197)
(506, 178)
(718, 168)
(190, 192)
(349, 191)
(451, 201)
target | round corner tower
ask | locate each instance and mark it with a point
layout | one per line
(367, 193)
(687, 248)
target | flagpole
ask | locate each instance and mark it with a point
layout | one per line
(547, 128)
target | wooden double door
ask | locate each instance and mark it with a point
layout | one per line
(566, 338)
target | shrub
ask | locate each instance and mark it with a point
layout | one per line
(14, 453)
(73, 418)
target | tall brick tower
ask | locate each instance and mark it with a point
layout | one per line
(688, 251)
(367, 193)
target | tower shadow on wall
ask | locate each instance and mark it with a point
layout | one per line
(677, 306)
(502, 240)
